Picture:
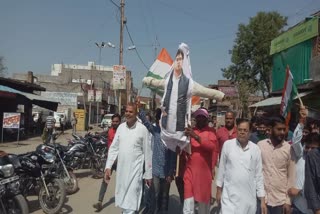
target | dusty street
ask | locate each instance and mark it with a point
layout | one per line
(82, 201)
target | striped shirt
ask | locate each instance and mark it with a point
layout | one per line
(50, 122)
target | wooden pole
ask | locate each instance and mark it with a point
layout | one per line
(177, 165)
(298, 95)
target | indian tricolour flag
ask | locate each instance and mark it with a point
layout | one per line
(160, 68)
(288, 93)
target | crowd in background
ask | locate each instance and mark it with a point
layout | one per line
(262, 165)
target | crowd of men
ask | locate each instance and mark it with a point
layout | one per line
(260, 170)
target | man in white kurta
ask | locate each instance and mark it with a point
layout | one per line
(131, 147)
(240, 178)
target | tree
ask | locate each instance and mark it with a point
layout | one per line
(3, 69)
(243, 89)
(251, 61)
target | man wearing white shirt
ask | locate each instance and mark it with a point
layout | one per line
(130, 145)
(240, 178)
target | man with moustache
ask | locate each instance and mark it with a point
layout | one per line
(228, 131)
(130, 145)
(278, 163)
(240, 178)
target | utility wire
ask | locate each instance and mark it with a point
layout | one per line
(135, 48)
(115, 4)
(129, 36)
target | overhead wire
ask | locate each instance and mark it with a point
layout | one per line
(291, 15)
(115, 4)
(136, 50)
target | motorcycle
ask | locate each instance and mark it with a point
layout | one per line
(36, 179)
(87, 152)
(11, 200)
(63, 171)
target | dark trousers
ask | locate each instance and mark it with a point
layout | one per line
(258, 206)
(50, 131)
(62, 128)
(161, 190)
(104, 185)
(180, 187)
(295, 210)
(103, 189)
(275, 210)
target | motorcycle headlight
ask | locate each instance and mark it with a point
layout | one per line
(7, 170)
(50, 158)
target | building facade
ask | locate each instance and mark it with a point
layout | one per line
(71, 85)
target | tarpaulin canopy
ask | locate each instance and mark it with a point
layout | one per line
(275, 100)
(35, 99)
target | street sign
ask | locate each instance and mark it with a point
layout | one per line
(119, 77)
(98, 96)
(90, 95)
(11, 120)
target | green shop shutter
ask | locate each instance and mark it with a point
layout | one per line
(298, 58)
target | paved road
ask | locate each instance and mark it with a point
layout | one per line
(82, 201)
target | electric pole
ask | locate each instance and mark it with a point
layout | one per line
(122, 23)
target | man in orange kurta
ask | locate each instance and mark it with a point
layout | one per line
(198, 174)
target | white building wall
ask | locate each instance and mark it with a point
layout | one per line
(56, 69)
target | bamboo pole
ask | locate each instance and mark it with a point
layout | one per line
(178, 164)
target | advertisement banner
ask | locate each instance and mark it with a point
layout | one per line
(64, 98)
(11, 120)
(119, 77)
(98, 96)
(295, 35)
(90, 95)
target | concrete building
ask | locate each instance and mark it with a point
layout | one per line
(70, 84)
(234, 102)
(299, 49)
(18, 97)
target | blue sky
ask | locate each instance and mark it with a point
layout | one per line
(36, 34)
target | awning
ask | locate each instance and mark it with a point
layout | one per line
(35, 99)
(274, 101)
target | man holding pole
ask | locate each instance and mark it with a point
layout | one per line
(163, 165)
(198, 174)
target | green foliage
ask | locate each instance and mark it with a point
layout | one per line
(251, 62)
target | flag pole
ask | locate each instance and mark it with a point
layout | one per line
(178, 164)
(298, 95)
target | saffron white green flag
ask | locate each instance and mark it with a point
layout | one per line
(288, 93)
(161, 66)
(159, 69)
